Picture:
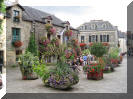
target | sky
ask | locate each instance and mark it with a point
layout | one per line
(78, 12)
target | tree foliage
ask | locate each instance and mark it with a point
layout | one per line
(98, 49)
(32, 47)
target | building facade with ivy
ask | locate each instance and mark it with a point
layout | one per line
(24, 20)
(98, 31)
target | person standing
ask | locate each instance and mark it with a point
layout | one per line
(85, 60)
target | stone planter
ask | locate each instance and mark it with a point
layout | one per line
(62, 83)
(28, 74)
(108, 69)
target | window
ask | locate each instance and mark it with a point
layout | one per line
(85, 27)
(16, 17)
(15, 34)
(101, 38)
(89, 38)
(18, 52)
(104, 38)
(107, 38)
(82, 39)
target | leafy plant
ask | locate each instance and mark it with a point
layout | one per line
(114, 53)
(32, 47)
(98, 49)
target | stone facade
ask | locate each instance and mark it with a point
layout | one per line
(98, 27)
(26, 27)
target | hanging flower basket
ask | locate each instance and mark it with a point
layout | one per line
(52, 31)
(68, 33)
(55, 41)
(46, 42)
(17, 44)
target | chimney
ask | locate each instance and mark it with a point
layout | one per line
(16, 2)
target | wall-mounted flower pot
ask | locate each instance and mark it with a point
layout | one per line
(17, 44)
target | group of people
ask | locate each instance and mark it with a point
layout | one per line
(83, 60)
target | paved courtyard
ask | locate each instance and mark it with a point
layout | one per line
(115, 82)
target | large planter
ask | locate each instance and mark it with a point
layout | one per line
(115, 62)
(94, 72)
(61, 82)
(28, 74)
(108, 68)
(95, 75)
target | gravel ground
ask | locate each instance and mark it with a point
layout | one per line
(115, 82)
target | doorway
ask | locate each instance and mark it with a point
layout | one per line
(2, 57)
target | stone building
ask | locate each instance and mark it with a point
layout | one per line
(22, 21)
(3, 44)
(122, 41)
(98, 31)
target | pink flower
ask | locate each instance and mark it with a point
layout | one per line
(53, 30)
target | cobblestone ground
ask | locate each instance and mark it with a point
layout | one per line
(115, 82)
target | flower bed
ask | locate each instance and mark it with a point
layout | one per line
(17, 44)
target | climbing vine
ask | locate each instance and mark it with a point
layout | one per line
(2, 11)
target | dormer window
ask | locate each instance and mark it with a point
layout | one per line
(48, 19)
(16, 16)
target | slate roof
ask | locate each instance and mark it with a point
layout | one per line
(98, 25)
(121, 34)
(32, 14)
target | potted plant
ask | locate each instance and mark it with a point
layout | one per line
(26, 61)
(62, 77)
(114, 56)
(96, 69)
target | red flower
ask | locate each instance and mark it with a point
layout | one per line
(18, 43)
(82, 44)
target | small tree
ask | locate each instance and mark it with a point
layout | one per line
(98, 50)
(32, 47)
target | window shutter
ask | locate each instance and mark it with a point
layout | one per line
(100, 38)
(96, 38)
(89, 38)
(107, 38)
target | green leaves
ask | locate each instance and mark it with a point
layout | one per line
(32, 47)
(98, 49)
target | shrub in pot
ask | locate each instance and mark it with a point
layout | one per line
(114, 56)
(98, 50)
(26, 61)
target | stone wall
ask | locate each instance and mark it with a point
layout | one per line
(25, 28)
